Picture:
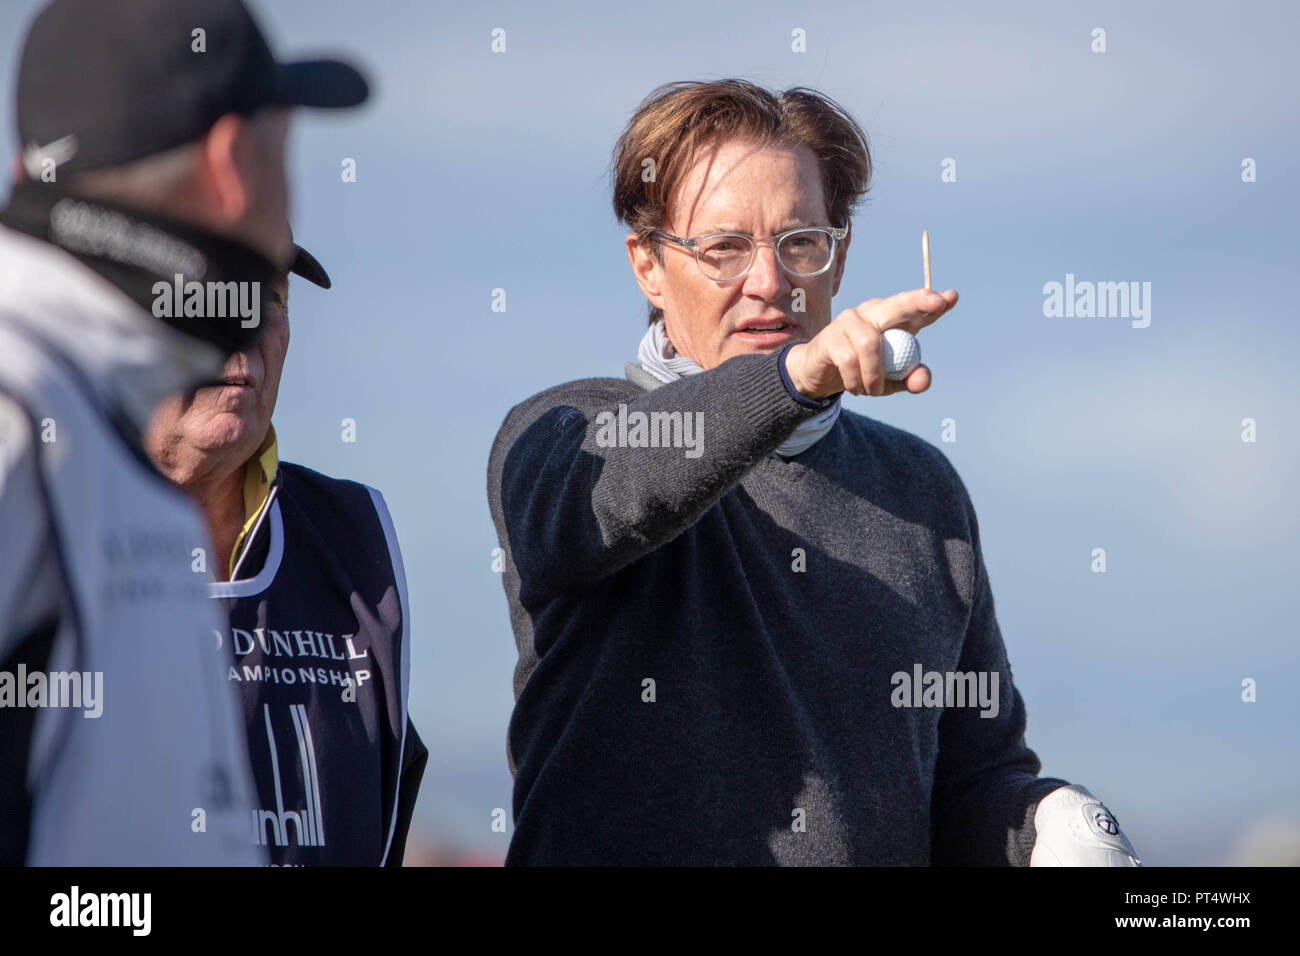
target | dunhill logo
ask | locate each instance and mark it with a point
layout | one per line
(308, 823)
(294, 644)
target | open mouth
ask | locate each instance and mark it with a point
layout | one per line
(775, 328)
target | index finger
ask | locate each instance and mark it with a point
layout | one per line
(912, 310)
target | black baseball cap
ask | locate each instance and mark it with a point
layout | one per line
(103, 82)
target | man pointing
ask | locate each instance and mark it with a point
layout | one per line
(707, 641)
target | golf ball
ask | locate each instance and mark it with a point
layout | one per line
(901, 354)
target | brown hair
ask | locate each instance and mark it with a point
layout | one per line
(678, 120)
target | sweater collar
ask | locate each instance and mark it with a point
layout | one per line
(658, 363)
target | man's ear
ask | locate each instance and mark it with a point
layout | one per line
(841, 256)
(645, 268)
(16, 168)
(220, 167)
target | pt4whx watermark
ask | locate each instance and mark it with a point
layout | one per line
(211, 300)
(924, 688)
(1101, 300)
(23, 688)
(637, 429)
(75, 908)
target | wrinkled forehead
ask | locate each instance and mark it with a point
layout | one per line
(739, 186)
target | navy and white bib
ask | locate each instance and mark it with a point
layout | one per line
(320, 637)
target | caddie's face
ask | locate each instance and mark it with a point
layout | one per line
(228, 421)
(739, 187)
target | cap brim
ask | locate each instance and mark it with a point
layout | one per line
(305, 265)
(326, 84)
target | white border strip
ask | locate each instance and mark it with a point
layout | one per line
(262, 580)
(399, 575)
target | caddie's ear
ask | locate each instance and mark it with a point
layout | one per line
(221, 152)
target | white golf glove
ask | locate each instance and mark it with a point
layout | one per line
(1074, 829)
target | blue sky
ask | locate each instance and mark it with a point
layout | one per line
(479, 170)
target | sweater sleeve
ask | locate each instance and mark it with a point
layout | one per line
(986, 783)
(575, 501)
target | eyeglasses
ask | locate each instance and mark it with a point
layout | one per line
(726, 256)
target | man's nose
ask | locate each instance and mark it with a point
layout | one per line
(766, 278)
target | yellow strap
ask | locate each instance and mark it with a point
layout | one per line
(259, 472)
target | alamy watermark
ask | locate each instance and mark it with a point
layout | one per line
(1101, 300)
(924, 688)
(637, 429)
(213, 300)
(129, 910)
(24, 688)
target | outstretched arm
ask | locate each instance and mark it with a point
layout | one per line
(574, 501)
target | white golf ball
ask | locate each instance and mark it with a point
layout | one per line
(901, 354)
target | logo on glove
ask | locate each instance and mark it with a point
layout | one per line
(1106, 822)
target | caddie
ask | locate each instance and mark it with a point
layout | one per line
(145, 164)
(308, 569)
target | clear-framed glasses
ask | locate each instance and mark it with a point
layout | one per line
(726, 256)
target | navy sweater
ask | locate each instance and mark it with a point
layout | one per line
(708, 644)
